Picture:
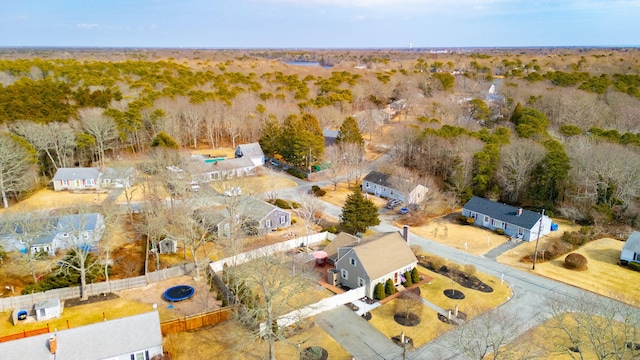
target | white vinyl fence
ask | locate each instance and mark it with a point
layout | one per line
(319, 307)
(268, 250)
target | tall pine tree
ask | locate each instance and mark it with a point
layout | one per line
(350, 132)
(271, 139)
(359, 213)
(303, 143)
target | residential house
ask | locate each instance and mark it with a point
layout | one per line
(392, 187)
(77, 179)
(118, 177)
(135, 337)
(341, 240)
(374, 260)
(252, 151)
(631, 249)
(330, 136)
(514, 221)
(53, 233)
(227, 169)
(374, 116)
(252, 216)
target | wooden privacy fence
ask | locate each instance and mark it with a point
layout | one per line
(24, 334)
(195, 321)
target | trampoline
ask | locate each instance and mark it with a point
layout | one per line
(179, 292)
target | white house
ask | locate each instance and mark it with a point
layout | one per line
(77, 179)
(135, 337)
(252, 151)
(391, 187)
(514, 221)
(631, 249)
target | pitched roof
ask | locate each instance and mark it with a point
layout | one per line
(633, 242)
(250, 150)
(383, 253)
(77, 173)
(379, 178)
(116, 173)
(96, 341)
(503, 212)
(341, 240)
(250, 207)
(75, 222)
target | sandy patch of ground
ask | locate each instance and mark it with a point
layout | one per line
(339, 196)
(203, 300)
(48, 199)
(472, 239)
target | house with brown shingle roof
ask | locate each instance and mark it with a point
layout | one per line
(373, 260)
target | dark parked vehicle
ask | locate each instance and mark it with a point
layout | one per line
(393, 203)
(403, 211)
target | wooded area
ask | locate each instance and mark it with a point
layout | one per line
(557, 129)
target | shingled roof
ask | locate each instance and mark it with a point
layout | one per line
(383, 253)
(633, 242)
(503, 212)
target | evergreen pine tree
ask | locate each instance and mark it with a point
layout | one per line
(389, 288)
(378, 292)
(359, 213)
(350, 132)
(271, 139)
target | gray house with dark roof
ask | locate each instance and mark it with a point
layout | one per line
(133, 337)
(253, 216)
(631, 249)
(392, 187)
(514, 221)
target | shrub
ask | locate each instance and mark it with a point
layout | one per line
(293, 221)
(295, 205)
(575, 261)
(297, 173)
(437, 262)
(408, 282)
(320, 192)
(415, 276)
(315, 188)
(283, 204)
(499, 231)
(470, 221)
(389, 288)
(378, 292)
(470, 269)
(634, 266)
(465, 220)
(332, 229)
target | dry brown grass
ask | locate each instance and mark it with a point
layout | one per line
(474, 303)
(339, 196)
(80, 315)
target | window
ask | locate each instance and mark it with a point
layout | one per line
(267, 223)
(486, 218)
(504, 225)
(90, 181)
(352, 261)
(65, 235)
(497, 223)
(636, 256)
(360, 281)
(520, 231)
(283, 219)
(367, 184)
(345, 274)
(140, 355)
(65, 182)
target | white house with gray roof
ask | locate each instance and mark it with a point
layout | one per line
(252, 151)
(77, 179)
(392, 187)
(514, 221)
(135, 337)
(631, 249)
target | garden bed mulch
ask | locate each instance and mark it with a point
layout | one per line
(91, 300)
(469, 282)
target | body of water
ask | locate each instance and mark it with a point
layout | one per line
(307, 63)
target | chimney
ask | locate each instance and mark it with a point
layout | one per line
(519, 212)
(53, 344)
(405, 233)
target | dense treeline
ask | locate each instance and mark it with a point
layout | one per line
(528, 142)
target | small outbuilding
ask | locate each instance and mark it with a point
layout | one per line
(168, 246)
(47, 309)
(631, 249)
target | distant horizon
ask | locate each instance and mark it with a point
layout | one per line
(320, 24)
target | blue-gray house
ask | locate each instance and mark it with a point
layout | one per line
(516, 222)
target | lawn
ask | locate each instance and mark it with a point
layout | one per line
(474, 303)
(80, 315)
(604, 276)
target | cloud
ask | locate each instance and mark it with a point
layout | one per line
(87, 26)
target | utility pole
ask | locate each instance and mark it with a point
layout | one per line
(535, 253)
(404, 346)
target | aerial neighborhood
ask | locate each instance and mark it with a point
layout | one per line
(320, 204)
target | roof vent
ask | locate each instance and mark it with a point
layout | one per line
(519, 212)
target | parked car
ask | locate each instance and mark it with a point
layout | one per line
(393, 203)
(403, 211)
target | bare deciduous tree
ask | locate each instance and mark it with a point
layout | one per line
(17, 172)
(102, 128)
(517, 161)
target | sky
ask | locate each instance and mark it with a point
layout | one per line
(319, 23)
